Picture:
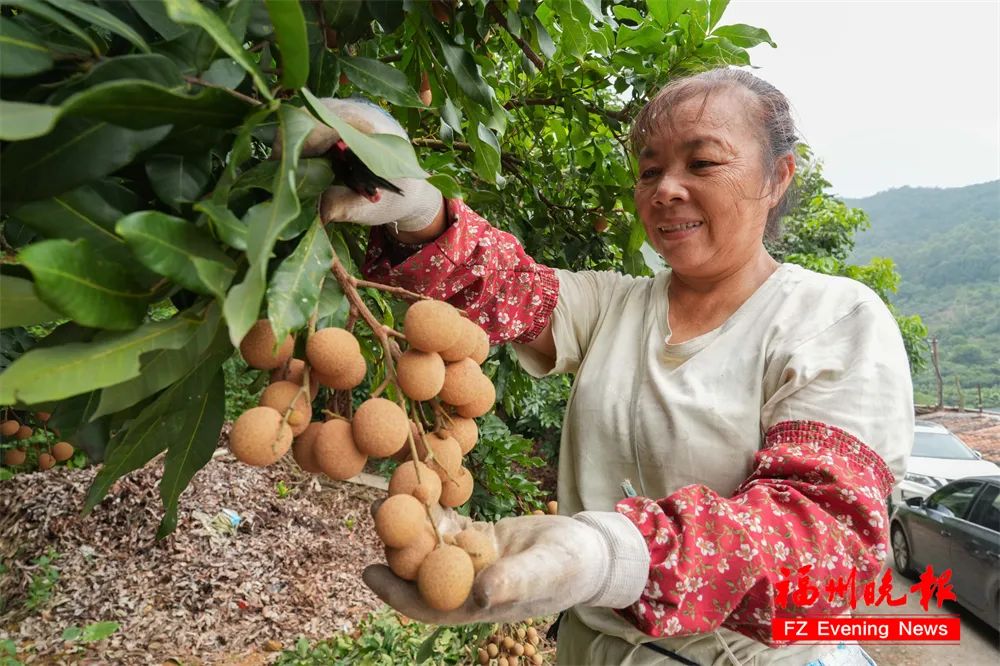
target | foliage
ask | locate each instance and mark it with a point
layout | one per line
(8, 653)
(109, 208)
(498, 464)
(381, 638)
(43, 581)
(91, 633)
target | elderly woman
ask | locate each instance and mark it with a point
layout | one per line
(762, 411)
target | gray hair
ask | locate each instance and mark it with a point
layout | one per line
(770, 117)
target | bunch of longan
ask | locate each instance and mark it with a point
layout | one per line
(511, 645)
(14, 429)
(440, 365)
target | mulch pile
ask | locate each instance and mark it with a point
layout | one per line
(979, 431)
(209, 592)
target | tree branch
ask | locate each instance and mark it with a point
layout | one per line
(525, 47)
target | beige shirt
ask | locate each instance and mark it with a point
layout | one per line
(804, 346)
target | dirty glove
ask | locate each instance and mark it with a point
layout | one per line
(546, 564)
(410, 204)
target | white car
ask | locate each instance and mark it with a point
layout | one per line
(938, 457)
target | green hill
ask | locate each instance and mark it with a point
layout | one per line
(946, 245)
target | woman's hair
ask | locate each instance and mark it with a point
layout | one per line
(769, 114)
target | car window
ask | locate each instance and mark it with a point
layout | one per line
(986, 512)
(940, 445)
(955, 497)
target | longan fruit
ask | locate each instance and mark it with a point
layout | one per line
(518, 649)
(351, 375)
(403, 454)
(259, 437)
(14, 457)
(279, 396)
(258, 347)
(461, 382)
(492, 650)
(292, 372)
(303, 451)
(404, 481)
(10, 427)
(536, 659)
(62, 451)
(331, 351)
(405, 562)
(335, 451)
(380, 427)
(431, 326)
(447, 454)
(485, 397)
(529, 650)
(399, 520)
(508, 642)
(503, 661)
(520, 633)
(482, 349)
(24, 432)
(445, 578)
(553, 507)
(420, 374)
(456, 491)
(465, 344)
(465, 431)
(483, 656)
(479, 546)
(532, 635)
(43, 417)
(46, 461)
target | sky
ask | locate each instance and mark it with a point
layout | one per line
(887, 93)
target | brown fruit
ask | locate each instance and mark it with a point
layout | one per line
(46, 461)
(601, 225)
(426, 96)
(518, 649)
(24, 432)
(440, 10)
(469, 338)
(431, 326)
(400, 520)
(380, 427)
(258, 347)
(457, 490)
(485, 397)
(343, 79)
(403, 454)
(532, 635)
(302, 448)
(405, 562)
(43, 417)
(279, 396)
(404, 481)
(508, 642)
(447, 454)
(332, 351)
(259, 437)
(553, 507)
(420, 374)
(492, 650)
(14, 457)
(62, 451)
(482, 349)
(423, 494)
(480, 548)
(529, 650)
(538, 512)
(465, 431)
(348, 378)
(536, 659)
(336, 452)
(9, 427)
(292, 372)
(461, 380)
(445, 578)
(483, 656)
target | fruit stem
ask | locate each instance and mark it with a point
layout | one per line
(399, 291)
(439, 411)
(303, 390)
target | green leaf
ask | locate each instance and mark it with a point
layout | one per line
(324, 74)
(380, 80)
(447, 185)
(487, 154)
(665, 12)
(264, 224)
(153, 68)
(295, 287)
(312, 177)
(191, 12)
(644, 38)
(161, 367)
(229, 228)
(42, 10)
(22, 52)
(293, 44)
(19, 306)
(76, 152)
(154, 13)
(716, 8)
(101, 18)
(744, 36)
(20, 120)
(463, 67)
(387, 155)
(74, 279)
(71, 633)
(196, 415)
(239, 154)
(54, 373)
(98, 631)
(178, 179)
(179, 250)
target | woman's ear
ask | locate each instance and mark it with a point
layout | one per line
(784, 171)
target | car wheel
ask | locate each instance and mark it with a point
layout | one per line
(901, 552)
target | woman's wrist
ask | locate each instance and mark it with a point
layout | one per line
(425, 235)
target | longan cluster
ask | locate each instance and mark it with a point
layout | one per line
(440, 366)
(511, 645)
(48, 456)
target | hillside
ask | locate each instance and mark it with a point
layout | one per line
(946, 244)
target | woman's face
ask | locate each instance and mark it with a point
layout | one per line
(702, 194)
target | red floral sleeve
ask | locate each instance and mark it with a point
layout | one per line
(816, 497)
(476, 268)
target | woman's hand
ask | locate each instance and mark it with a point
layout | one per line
(546, 564)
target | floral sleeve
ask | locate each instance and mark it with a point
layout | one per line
(816, 497)
(476, 268)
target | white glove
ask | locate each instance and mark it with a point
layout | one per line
(546, 564)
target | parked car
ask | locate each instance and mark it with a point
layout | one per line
(938, 457)
(956, 527)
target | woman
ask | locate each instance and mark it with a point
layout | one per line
(762, 411)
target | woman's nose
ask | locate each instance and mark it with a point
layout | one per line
(669, 189)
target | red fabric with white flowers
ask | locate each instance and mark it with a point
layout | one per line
(816, 496)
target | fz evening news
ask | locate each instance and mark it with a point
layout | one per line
(799, 590)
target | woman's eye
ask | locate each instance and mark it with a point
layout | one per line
(648, 173)
(701, 164)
